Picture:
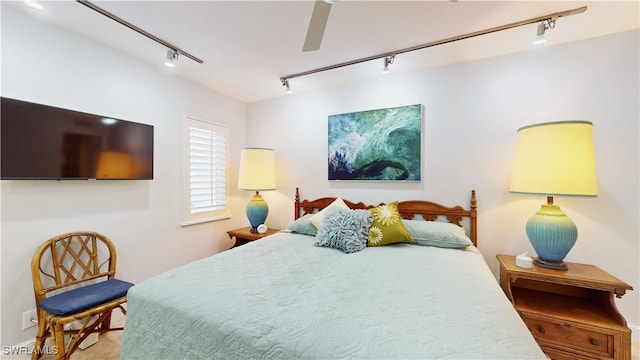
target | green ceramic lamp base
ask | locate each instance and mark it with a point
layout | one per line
(552, 234)
(257, 211)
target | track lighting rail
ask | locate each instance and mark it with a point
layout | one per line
(549, 18)
(104, 12)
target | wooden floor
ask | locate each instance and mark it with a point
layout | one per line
(107, 348)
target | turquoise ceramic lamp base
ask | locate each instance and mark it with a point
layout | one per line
(257, 211)
(552, 234)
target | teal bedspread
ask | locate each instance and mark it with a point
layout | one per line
(283, 298)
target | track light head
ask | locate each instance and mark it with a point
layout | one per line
(172, 56)
(540, 39)
(388, 60)
(285, 83)
(542, 27)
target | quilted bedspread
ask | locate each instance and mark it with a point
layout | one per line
(283, 298)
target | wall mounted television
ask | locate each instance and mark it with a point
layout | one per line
(40, 142)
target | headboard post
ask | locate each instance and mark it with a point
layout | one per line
(473, 214)
(296, 205)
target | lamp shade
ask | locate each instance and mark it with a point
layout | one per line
(555, 158)
(257, 169)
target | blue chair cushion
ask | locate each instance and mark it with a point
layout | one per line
(86, 297)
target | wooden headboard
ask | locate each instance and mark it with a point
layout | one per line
(409, 209)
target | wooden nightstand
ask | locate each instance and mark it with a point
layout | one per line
(244, 235)
(571, 313)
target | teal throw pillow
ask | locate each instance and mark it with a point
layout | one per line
(344, 229)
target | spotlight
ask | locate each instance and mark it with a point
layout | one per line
(542, 27)
(540, 39)
(285, 83)
(172, 56)
(388, 60)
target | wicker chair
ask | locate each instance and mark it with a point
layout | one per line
(74, 279)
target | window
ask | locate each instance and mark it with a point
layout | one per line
(206, 185)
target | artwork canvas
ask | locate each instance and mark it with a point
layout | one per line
(382, 144)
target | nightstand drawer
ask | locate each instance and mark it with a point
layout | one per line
(559, 354)
(571, 335)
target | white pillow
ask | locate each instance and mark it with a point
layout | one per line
(316, 219)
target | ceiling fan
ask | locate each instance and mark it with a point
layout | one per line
(318, 23)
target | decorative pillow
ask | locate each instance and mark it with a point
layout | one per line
(303, 226)
(345, 230)
(386, 227)
(316, 219)
(440, 234)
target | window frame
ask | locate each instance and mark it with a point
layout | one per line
(190, 217)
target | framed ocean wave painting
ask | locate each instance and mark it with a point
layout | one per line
(382, 144)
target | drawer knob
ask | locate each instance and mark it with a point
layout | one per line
(594, 342)
(541, 329)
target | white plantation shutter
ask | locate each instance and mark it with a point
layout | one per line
(206, 162)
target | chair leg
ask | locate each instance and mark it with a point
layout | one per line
(41, 337)
(81, 334)
(57, 338)
(106, 323)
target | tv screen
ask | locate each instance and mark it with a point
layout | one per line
(40, 142)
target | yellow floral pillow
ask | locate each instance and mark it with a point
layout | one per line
(387, 227)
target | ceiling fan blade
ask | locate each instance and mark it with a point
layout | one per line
(317, 25)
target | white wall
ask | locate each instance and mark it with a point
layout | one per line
(46, 64)
(472, 113)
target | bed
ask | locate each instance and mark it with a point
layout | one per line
(283, 297)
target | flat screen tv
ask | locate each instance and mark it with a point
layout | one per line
(40, 142)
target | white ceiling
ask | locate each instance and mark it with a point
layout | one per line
(248, 45)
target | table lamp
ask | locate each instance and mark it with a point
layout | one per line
(554, 158)
(257, 173)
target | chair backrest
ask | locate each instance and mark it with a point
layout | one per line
(72, 260)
